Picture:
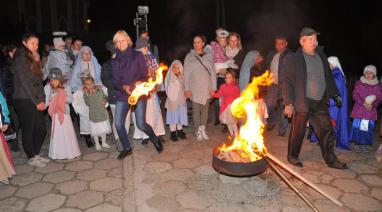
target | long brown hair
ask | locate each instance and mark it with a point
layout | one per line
(35, 66)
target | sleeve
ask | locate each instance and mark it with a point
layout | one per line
(357, 95)
(212, 71)
(69, 95)
(87, 99)
(378, 95)
(106, 75)
(141, 68)
(187, 73)
(4, 110)
(289, 77)
(116, 76)
(220, 92)
(47, 95)
(24, 77)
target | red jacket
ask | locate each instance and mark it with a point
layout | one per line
(229, 92)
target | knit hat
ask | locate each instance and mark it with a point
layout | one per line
(55, 73)
(58, 42)
(307, 31)
(222, 33)
(141, 43)
(109, 45)
(370, 68)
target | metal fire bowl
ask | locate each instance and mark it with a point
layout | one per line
(237, 169)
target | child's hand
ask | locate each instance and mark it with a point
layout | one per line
(4, 128)
(104, 102)
(40, 106)
(187, 94)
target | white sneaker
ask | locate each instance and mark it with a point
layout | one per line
(42, 159)
(105, 145)
(97, 146)
(36, 162)
(199, 135)
(6, 181)
(203, 132)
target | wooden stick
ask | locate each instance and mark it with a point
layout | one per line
(290, 184)
(303, 179)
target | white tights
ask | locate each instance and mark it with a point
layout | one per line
(103, 139)
(174, 127)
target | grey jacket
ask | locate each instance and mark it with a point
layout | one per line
(198, 79)
(26, 85)
(59, 59)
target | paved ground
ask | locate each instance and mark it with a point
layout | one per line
(182, 179)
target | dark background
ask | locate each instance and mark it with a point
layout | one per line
(349, 30)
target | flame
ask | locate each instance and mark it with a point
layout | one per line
(145, 87)
(249, 144)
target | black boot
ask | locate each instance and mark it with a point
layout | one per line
(89, 141)
(181, 134)
(174, 138)
(124, 153)
(158, 146)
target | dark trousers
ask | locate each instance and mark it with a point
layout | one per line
(219, 81)
(274, 103)
(121, 110)
(319, 119)
(32, 125)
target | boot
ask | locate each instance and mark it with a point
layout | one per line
(125, 153)
(174, 138)
(181, 134)
(89, 141)
(158, 146)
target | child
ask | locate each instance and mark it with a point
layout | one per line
(176, 102)
(367, 95)
(96, 99)
(63, 140)
(222, 62)
(229, 91)
(7, 168)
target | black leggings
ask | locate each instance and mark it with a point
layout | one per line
(32, 125)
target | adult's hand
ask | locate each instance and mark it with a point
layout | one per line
(288, 111)
(187, 94)
(40, 106)
(338, 100)
(212, 93)
(127, 88)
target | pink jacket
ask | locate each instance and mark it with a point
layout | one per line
(219, 53)
(360, 92)
(229, 92)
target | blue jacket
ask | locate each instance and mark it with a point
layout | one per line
(128, 67)
(4, 112)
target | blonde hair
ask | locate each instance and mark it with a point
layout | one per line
(124, 34)
(238, 39)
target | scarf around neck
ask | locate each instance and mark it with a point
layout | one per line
(231, 52)
(374, 81)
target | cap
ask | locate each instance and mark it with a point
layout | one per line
(141, 43)
(222, 33)
(55, 73)
(307, 31)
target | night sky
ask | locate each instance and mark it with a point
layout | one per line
(349, 30)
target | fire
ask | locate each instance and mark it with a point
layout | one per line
(249, 145)
(145, 87)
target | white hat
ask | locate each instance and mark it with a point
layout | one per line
(222, 33)
(370, 68)
(58, 42)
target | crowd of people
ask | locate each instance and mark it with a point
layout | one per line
(69, 84)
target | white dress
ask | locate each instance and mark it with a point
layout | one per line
(153, 118)
(63, 139)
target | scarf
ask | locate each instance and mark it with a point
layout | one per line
(231, 52)
(57, 104)
(335, 63)
(374, 81)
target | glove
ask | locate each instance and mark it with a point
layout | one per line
(338, 100)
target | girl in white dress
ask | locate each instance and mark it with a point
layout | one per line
(63, 140)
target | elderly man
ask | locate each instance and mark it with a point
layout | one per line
(308, 85)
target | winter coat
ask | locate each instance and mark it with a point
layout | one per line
(26, 85)
(360, 92)
(59, 59)
(283, 56)
(229, 92)
(6, 78)
(107, 80)
(294, 80)
(128, 67)
(199, 79)
(97, 110)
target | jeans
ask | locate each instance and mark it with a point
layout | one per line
(121, 110)
(273, 101)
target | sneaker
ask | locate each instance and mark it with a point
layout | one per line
(36, 162)
(204, 132)
(42, 159)
(105, 145)
(97, 146)
(199, 135)
(6, 181)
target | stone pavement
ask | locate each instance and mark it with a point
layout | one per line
(182, 179)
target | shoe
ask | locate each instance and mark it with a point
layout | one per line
(158, 146)
(89, 141)
(282, 134)
(199, 135)
(204, 133)
(124, 153)
(36, 163)
(6, 181)
(181, 134)
(105, 145)
(97, 146)
(338, 165)
(145, 141)
(174, 138)
(42, 159)
(295, 162)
